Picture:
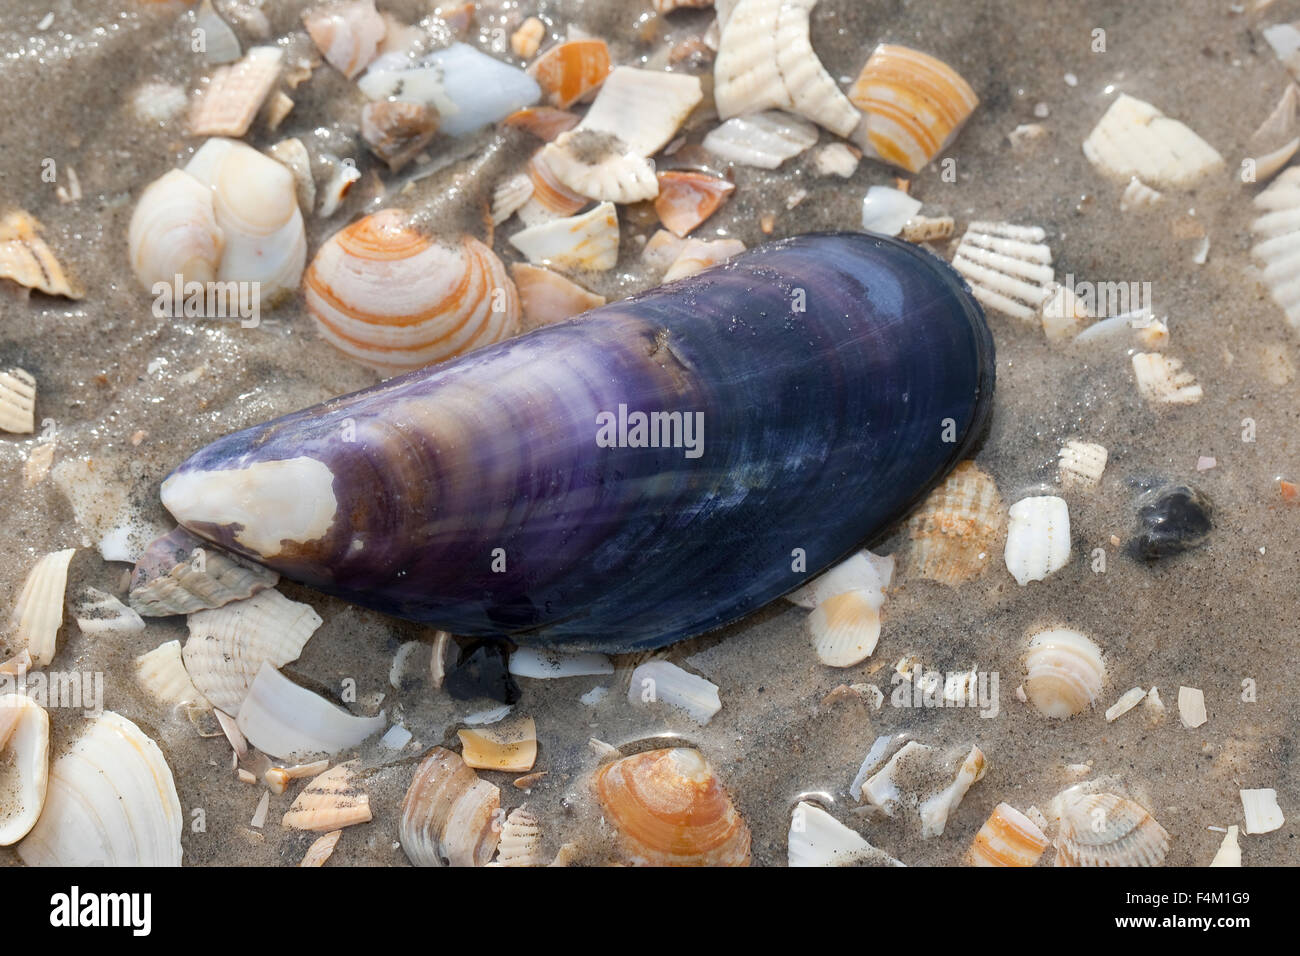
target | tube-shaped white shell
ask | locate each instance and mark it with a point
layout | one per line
(284, 720)
(174, 232)
(38, 612)
(1065, 672)
(111, 802)
(24, 765)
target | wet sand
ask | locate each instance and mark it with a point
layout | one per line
(108, 369)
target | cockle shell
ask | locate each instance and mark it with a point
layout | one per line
(766, 61)
(174, 232)
(864, 571)
(1008, 838)
(817, 839)
(1009, 267)
(181, 574)
(347, 34)
(587, 570)
(449, 814)
(669, 809)
(1277, 246)
(914, 106)
(228, 645)
(687, 198)
(24, 765)
(111, 801)
(765, 140)
(1065, 672)
(17, 401)
(235, 93)
(1038, 538)
(570, 70)
(1105, 829)
(329, 802)
(521, 840)
(38, 611)
(1133, 138)
(383, 292)
(547, 297)
(255, 202)
(28, 260)
(396, 131)
(845, 628)
(589, 241)
(954, 531)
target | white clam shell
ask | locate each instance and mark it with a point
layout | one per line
(765, 140)
(24, 765)
(817, 839)
(589, 241)
(1038, 538)
(1133, 138)
(111, 801)
(1009, 267)
(663, 681)
(1065, 672)
(38, 612)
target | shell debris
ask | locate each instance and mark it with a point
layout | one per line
(686, 199)
(229, 103)
(449, 815)
(26, 259)
(161, 672)
(1191, 706)
(817, 839)
(1038, 538)
(765, 140)
(17, 401)
(509, 746)
(907, 782)
(589, 241)
(179, 573)
(1161, 380)
(321, 849)
(1009, 267)
(836, 159)
(521, 840)
(331, 801)
(397, 131)
(293, 155)
(283, 720)
(886, 210)
(1133, 138)
(1081, 464)
(955, 529)
(920, 228)
(1008, 838)
(38, 611)
(1277, 140)
(1130, 699)
(1229, 852)
(347, 34)
(663, 681)
(1277, 241)
(1138, 195)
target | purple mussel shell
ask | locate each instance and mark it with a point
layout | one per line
(797, 401)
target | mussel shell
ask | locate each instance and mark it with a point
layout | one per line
(839, 378)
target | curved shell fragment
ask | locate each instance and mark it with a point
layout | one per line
(1277, 241)
(448, 814)
(1133, 138)
(162, 674)
(1008, 838)
(664, 681)
(284, 720)
(24, 765)
(548, 297)
(1161, 380)
(329, 802)
(38, 612)
(1008, 267)
(28, 260)
(510, 746)
(179, 573)
(570, 70)
(765, 140)
(817, 839)
(347, 34)
(589, 241)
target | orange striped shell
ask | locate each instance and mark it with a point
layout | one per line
(914, 103)
(569, 71)
(1008, 838)
(686, 199)
(670, 810)
(551, 194)
(391, 297)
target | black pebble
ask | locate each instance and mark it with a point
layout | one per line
(1172, 521)
(481, 670)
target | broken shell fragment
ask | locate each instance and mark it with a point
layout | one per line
(1191, 706)
(26, 259)
(954, 531)
(228, 645)
(845, 628)
(24, 765)
(670, 809)
(568, 71)
(547, 297)
(397, 131)
(1081, 464)
(696, 255)
(927, 228)
(449, 815)
(220, 45)
(510, 746)
(1008, 838)
(386, 294)
(1229, 852)
(293, 155)
(1162, 380)
(1038, 538)
(98, 613)
(887, 211)
(162, 674)
(686, 199)
(509, 197)
(914, 106)
(549, 198)
(235, 93)
(765, 140)
(1138, 195)
(322, 849)
(1278, 138)
(1105, 829)
(1065, 672)
(284, 720)
(908, 781)
(817, 839)
(1127, 702)
(38, 612)
(589, 241)
(521, 840)
(1009, 267)
(1133, 138)
(347, 34)
(1261, 810)
(111, 801)
(546, 664)
(329, 802)
(1277, 246)
(17, 401)
(174, 232)
(544, 122)
(664, 681)
(182, 574)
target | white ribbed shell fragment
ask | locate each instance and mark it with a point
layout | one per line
(1161, 380)
(162, 674)
(1261, 810)
(24, 765)
(230, 101)
(1278, 137)
(1277, 246)
(521, 840)
(765, 140)
(817, 839)
(1133, 138)
(329, 802)
(1038, 538)
(284, 720)
(17, 401)
(1081, 464)
(588, 241)
(38, 612)
(1008, 267)
(663, 681)
(100, 613)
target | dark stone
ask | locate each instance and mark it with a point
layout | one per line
(481, 670)
(1172, 521)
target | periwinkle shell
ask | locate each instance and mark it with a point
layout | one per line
(837, 378)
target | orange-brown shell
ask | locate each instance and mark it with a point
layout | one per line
(670, 809)
(387, 294)
(569, 71)
(548, 297)
(544, 122)
(549, 192)
(687, 198)
(954, 531)
(1008, 838)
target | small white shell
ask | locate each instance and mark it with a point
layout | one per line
(765, 140)
(521, 840)
(161, 672)
(887, 210)
(1161, 380)
(284, 720)
(1105, 829)
(864, 571)
(99, 613)
(1127, 702)
(1138, 195)
(1064, 314)
(228, 645)
(1133, 138)
(1229, 852)
(696, 255)
(666, 682)
(329, 802)
(1065, 672)
(232, 98)
(1277, 245)
(1038, 538)
(1081, 464)
(1009, 267)
(347, 34)
(38, 612)
(845, 628)
(1261, 810)
(817, 839)
(1191, 706)
(24, 765)
(111, 802)
(17, 401)
(589, 241)
(174, 232)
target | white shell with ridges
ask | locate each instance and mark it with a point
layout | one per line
(1105, 829)
(24, 765)
(1081, 464)
(17, 401)
(521, 840)
(38, 612)
(864, 571)
(1277, 246)
(234, 94)
(1038, 538)
(1261, 811)
(1065, 672)
(845, 628)
(284, 720)
(1133, 138)
(1161, 380)
(98, 613)
(162, 674)
(329, 802)
(1009, 267)
(765, 140)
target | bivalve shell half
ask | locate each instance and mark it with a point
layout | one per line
(871, 573)
(570, 70)
(329, 802)
(24, 765)
(17, 401)
(1038, 538)
(1009, 267)
(449, 814)
(914, 106)
(347, 34)
(395, 299)
(1065, 672)
(953, 533)
(181, 574)
(26, 259)
(1133, 138)
(111, 801)
(845, 628)
(687, 198)
(38, 612)
(1105, 829)
(174, 232)
(1008, 838)
(669, 809)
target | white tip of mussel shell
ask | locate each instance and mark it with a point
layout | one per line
(28, 260)
(1277, 241)
(1081, 464)
(864, 571)
(329, 802)
(1009, 267)
(1065, 672)
(765, 140)
(1038, 538)
(38, 612)
(1008, 838)
(347, 34)
(547, 663)
(174, 232)
(845, 628)
(817, 839)
(585, 242)
(1105, 829)
(663, 681)
(954, 531)
(509, 746)
(1261, 811)
(1133, 138)
(24, 765)
(1161, 380)
(1229, 852)
(887, 210)
(17, 401)
(521, 840)
(228, 645)
(99, 613)
(235, 93)
(449, 815)
(111, 801)
(162, 674)
(696, 255)
(284, 720)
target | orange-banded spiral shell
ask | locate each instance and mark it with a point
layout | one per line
(1105, 829)
(395, 299)
(914, 103)
(1008, 838)
(670, 809)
